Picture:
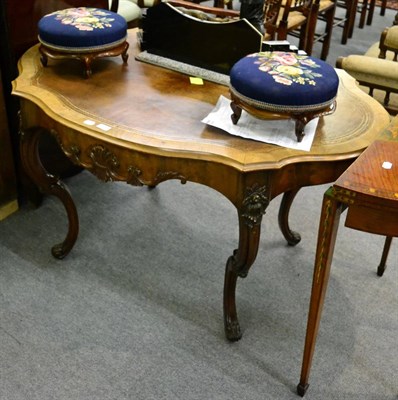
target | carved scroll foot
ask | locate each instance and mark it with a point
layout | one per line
(49, 184)
(60, 250)
(291, 237)
(232, 331)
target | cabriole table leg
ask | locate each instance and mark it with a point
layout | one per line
(291, 237)
(48, 184)
(250, 215)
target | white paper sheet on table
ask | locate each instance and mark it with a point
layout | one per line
(279, 132)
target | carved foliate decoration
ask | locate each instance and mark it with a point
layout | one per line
(254, 205)
(104, 163)
(73, 151)
(134, 177)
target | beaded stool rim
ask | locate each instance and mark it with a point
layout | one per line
(90, 49)
(280, 108)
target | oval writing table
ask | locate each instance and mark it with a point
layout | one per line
(155, 134)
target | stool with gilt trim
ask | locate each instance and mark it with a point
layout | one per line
(283, 85)
(82, 33)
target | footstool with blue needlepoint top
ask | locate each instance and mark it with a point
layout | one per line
(283, 85)
(82, 33)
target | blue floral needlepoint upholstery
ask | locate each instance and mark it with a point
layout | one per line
(284, 82)
(82, 30)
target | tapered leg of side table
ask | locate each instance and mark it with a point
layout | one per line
(238, 265)
(49, 184)
(329, 222)
(283, 218)
(383, 262)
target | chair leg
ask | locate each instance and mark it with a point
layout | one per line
(306, 41)
(353, 14)
(348, 27)
(382, 266)
(329, 18)
(223, 4)
(371, 10)
(364, 8)
(383, 8)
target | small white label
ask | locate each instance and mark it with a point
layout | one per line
(89, 122)
(387, 165)
(103, 127)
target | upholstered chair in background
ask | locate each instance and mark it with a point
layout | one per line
(377, 69)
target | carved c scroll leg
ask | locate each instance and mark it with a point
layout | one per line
(250, 216)
(329, 222)
(237, 112)
(49, 184)
(125, 55)
(299, 128)
(283, 218)
(87, 66)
